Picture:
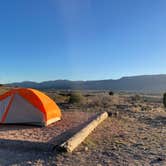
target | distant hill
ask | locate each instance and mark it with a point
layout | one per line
(144, 83)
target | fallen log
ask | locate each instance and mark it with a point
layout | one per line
(70, 144)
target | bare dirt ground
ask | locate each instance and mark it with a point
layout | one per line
(136, 137)
(135, 134)
(44, 134)
(24, 144)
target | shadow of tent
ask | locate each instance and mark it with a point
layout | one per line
(6, 127)
(23, 150)
(20, 145)
(50, 146)
(13, 152)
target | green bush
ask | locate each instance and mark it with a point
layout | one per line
(164, 99)
(76, 97)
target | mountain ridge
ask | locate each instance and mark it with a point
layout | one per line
(141, 83)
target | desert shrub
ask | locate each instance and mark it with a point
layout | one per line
(164, 99)
(111, 93)
(56, 97)
(4, 89)
(76, 97)
(103, 101)
(66, 94)
(136, 97)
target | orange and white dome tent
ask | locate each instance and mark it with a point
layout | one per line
(29, 106)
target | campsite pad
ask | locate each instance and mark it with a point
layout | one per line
(29, 137)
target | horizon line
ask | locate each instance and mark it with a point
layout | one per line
(82, 80)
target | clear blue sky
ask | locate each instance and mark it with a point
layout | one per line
(81, 39)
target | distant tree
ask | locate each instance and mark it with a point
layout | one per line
(164, 99)
(1, 84)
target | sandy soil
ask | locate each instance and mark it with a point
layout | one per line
(135, 134)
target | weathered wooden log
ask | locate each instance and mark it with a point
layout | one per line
(79, 137)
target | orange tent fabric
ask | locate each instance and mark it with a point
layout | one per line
(25, 105)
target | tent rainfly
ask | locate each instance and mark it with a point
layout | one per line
(28, 106)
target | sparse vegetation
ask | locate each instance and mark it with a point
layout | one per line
(76, 97)
(57, 97)
(136, 97)
(134, 134)
(64, 94)
(4, 89)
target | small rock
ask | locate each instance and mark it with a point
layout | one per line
(86, 148)
(99, 165)
(29, 162)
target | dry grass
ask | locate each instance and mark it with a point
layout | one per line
(4, 89)
(58, 98)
